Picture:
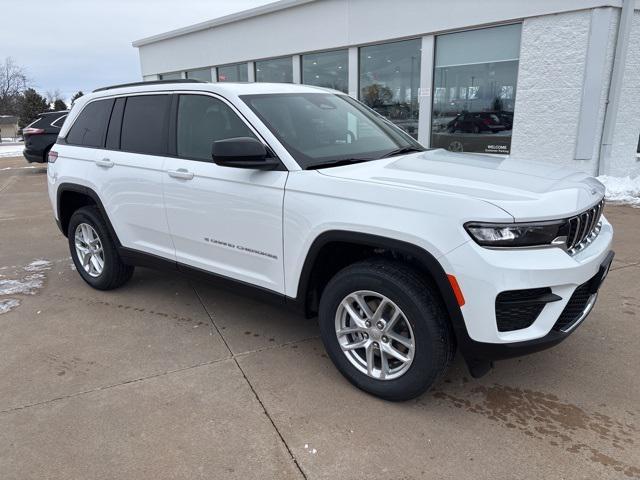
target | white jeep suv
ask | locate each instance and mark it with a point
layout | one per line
(305, 196)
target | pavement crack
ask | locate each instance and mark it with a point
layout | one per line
(635, 264)
(113, 385)
(255, 393)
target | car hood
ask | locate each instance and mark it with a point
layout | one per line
(525, 190)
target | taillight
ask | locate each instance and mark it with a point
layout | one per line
(53, 156)
(32, 131)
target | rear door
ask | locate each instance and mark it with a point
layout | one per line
(223, 220)
(128, 174)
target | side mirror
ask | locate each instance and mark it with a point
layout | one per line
(242, 152)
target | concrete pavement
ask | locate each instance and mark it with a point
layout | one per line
(168, 378)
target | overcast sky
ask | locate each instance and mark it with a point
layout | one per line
(76, 45)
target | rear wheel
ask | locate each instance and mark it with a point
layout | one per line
(385, 329)
(94, 252)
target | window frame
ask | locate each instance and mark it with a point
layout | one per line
(171, 151)
(298, 156)
(236, 64)
(282, 57)
(62, 117)
(419, 70)
(165, 148)
(75, 120)
(320, 52)
(117, 125)
(515, 90)
(173, 127)
(179, 73)
(186, 74)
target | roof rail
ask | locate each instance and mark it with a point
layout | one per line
(152, 82)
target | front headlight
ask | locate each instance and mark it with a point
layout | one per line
(505, 235)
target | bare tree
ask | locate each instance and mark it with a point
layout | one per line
(13, 78)
(54, 95)
(13, 81)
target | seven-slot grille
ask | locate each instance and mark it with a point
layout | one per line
(583, 228)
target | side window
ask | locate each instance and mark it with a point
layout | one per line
(144, 124)
(59, 121)
(90, 127)
(203, 120)
(115, 125)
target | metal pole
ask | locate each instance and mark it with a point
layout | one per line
(615, 87)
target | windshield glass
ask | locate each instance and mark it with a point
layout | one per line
(325, 128)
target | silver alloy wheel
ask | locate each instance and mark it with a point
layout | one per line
(89, 249)
(375, 335)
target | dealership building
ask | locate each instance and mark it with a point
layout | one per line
(550, 80)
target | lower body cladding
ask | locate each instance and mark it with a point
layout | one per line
(33, 156)
(524, 300)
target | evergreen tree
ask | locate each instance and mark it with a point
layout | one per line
(59, 105)
(30, 105)
(76, 96)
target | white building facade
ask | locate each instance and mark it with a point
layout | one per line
(550, 80)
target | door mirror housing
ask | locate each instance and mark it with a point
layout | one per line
(243, 152)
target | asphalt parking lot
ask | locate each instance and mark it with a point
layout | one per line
(167, 378)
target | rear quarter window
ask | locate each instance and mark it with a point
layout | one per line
(37, 123)
(59, 121)
(90, 127)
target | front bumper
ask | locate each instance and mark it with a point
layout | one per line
(482, 274)
(496, 351)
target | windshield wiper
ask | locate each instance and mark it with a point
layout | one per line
(401, 150)
(338, 163)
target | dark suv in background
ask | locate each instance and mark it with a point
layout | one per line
(41, 134)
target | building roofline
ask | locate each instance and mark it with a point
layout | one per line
(216, 22)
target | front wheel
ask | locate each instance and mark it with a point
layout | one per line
(94, 252)
(385, 329)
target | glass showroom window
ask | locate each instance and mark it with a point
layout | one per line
(233, 73)
(171, 76)
(327, 69)
(202, 74)
(389, 81)
(279, 70)
(475, 89)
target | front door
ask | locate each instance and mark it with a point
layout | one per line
(223, 220)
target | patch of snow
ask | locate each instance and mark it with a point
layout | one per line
(8, 305)
(38, 266)
(309, 449)
(27, 286)
(17, 168)
(622, 190)
(12, 150)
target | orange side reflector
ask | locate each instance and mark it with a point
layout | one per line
(456, 289)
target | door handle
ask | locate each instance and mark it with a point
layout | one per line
(105, 162)
(181, 173)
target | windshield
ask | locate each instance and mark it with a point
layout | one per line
(322, 129)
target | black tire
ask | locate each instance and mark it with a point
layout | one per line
(423, 309)
(115, 273)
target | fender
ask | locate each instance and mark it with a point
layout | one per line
(74, 187)
(426, 260)
(478, 365)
